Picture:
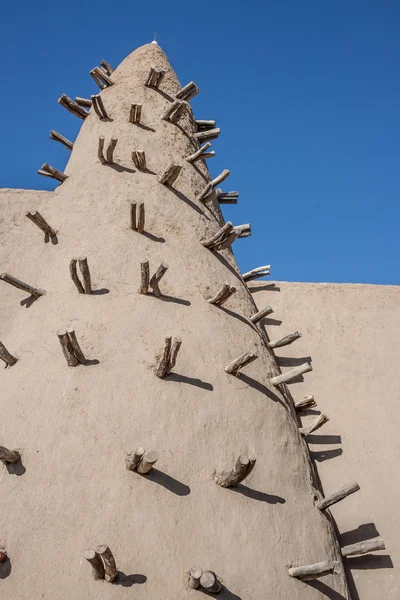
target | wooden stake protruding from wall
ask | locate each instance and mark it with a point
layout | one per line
(222, 296)
(106, 65)
(261, 314)
(85, 102)
(210, 582)
(21, 285)
(155, 280)
(198, 155)
(209, 194)
(306, 402)
(47, 170)
(167, 360)
(285, 341)
(170, 174)
(100, 150)
(144, 277)
(84, 267)
(97, 564)
(6, 357)
(139, 159)
(74, 276)
(244, 230)
(363, 547)
(242, 361)
(57, 137)
(308, 572)
(70, 347)
(101, 77)
(204, 124)
(257, 273)
(338, 496)
(242, 469)
(210, 134)
(99, 108)
(139, 225)
(316, 424)
(187, 92)
(155, 77)
(41, 222)
(9, 456)
(291, 374)
(222, 239)
(72, 107)
(221, 177)
(109, 157)
(135, 113)
(193, 577)
(228, 198)
(141, 461)
(110, 568)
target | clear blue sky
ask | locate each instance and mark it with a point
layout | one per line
(306, 92)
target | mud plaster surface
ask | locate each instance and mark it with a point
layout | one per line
(74, 426)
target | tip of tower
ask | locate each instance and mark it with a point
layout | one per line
(154, 42)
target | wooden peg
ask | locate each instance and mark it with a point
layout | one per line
(67, 349)
(106, 65)
(84, 267)
(97, 564)
(316, 424)
(306, 402)
(222, 239)
(99, 108)
(201, 124)
(72, 107)
(207, 155)
(47, 170)
(139, 160)
(174, 353)
(243, 230)
(9, 456)
(141, 220)
(291, 374)
(208, 189)
(170, 174)
(76, 347)
(101, 77)
(338, 496)
(133, 458)
(40, 221)
(21, 285)
(144, 277)
(179, 111)
(135, 113)
(222, 296)
(5, 356)
(110, 150)
(167, 360)
(149, 458)
(107, 557)
(155, 77)
(221, 177)
(308, 572)
(240, 471)
(100, 150)
(85, 102)
(187, 92)
(211, 195)
(198, 154)
(210, 134)
(57, 137)
(261, 314)
(236, 365)
(257, 273)
(74, 276)
(209, 581)
(285, 341)
(94, 75)
(228, 198)
(171, 109)
(363, 547)
(155, 280)
(193, 577)
(133, 216)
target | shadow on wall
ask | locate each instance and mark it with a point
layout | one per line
(129, 580)
(171, 484)
(256, 495)
(5, 568)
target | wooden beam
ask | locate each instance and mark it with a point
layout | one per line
(257, 273)
(155, 77)
(41, 222)
(57, 137)
(141, 220)
(144, 277)
(306, 402)
(170, 174)
(194, 575)
(243, 230)
(205, 124)
(155, 280)
(261, 314)
(84, 268)
(107, 557)
(97, 564)
(222, 296)
(363, 547)
(209, 581)
(222, 239)
(139, 160)
(49, 171)
(291, 374)
(133, 458)
(179, 111)
(101, 77)
(76, 347)
(171, 108)
(67, 349)
(100, 150)
(285, 341)
(188, 91)
(316, 424)
(338, 496)
(242, 361)
(21, 285)
(242, 469)
(5, 356)
(162, 365)
(110, 150)
(308, 572)
(106, 65)
(174, 353)
(228, 198)
(207, 155)
(149, 458)
(210, 134)
(212, 195)
(98, 106)
(9, 456)
(198, 154)
(74, 276)
(135, 113)
(85, 102)
(221, 177)
(72, 106)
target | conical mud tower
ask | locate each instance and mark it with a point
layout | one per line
(122, 360)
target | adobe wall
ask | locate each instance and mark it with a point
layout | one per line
(351, 333)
